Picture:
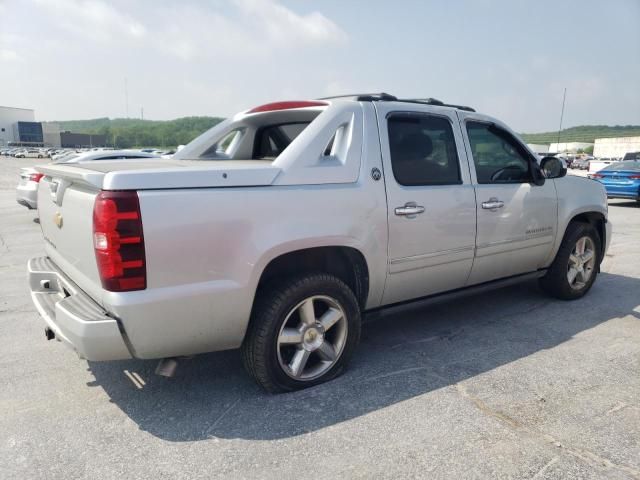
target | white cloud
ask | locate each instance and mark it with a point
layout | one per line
(93, 19)
(8, 55)
(189, 31)
(257, 28)
(8, 48)
(283, 26)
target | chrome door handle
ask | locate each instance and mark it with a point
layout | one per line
(493, 204)
(410, 209)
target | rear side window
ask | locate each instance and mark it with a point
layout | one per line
(423, 150)
(272, 140)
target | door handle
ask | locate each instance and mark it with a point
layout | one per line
(409, 210)
(493, 204)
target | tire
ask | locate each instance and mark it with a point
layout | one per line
(569, 262)
(287, 347)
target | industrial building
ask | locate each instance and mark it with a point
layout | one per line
(615, 147)
(51, 135)
(18, 128)
(569, 147)
(539, 147)
(80, 140)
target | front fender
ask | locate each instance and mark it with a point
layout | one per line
(577, 196)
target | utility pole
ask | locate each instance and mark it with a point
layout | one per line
(141, 113)
(564, 97)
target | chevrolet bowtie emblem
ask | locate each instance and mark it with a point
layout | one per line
(57, 219)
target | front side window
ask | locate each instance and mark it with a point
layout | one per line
(423, 150)
(497, 155)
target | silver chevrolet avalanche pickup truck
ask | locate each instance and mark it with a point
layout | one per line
(278, 228)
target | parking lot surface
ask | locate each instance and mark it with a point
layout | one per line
(507, 384)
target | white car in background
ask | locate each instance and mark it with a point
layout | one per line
(27, 190)
(31, 153)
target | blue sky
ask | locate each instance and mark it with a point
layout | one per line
(68, 58)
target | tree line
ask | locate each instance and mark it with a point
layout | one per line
(129, 133)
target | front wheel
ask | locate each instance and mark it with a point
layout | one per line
(302, 332)
(575, 267)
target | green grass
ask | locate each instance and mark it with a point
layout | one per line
(130, 132)
(585, 133)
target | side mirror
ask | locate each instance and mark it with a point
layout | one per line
(553, 167)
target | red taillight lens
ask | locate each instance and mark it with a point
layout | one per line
(597, 175)
(36, 177)
(118, 241)
(634, 177)
(270, 107)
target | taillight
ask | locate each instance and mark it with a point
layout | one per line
(597, 175)
(634, 177)
(35, 177)
(118, 241)
(270, 107)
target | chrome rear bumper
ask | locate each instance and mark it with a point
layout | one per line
(72, 315)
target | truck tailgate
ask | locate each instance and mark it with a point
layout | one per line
(66, 217)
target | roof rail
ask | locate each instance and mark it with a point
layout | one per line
(365, 97)
(435, 101)
(386, 97)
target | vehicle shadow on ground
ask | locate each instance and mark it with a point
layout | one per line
(401, 356)
(624, 203)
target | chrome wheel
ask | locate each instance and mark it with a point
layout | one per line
(312, 338)
(581, 263)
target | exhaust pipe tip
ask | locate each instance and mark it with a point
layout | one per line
(167, 367)
(49, 334)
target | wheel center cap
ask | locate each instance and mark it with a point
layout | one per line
(312, 338)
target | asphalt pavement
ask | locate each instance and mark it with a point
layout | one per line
(507, 384)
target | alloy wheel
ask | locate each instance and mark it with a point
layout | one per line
(312, 338)
(581, 263)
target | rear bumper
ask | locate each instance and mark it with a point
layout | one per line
(27, 195)
(631, 196)
(631, 191)
(73, 316)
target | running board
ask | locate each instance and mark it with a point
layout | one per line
(451, 295)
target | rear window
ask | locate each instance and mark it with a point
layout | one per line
(273, 139)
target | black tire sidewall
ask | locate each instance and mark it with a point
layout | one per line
(279, 300)
(556, 282)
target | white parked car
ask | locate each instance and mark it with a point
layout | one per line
(275, 230)
(30, 153)
(27, 189)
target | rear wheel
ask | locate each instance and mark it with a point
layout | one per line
(575, 267)
(302, 332)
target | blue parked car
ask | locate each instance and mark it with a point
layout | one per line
(621, 179)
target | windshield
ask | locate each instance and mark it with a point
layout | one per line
(66, 158)
(626, 165)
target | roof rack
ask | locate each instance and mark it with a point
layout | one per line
(435, 101)
(386, 97)
(365, 97)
